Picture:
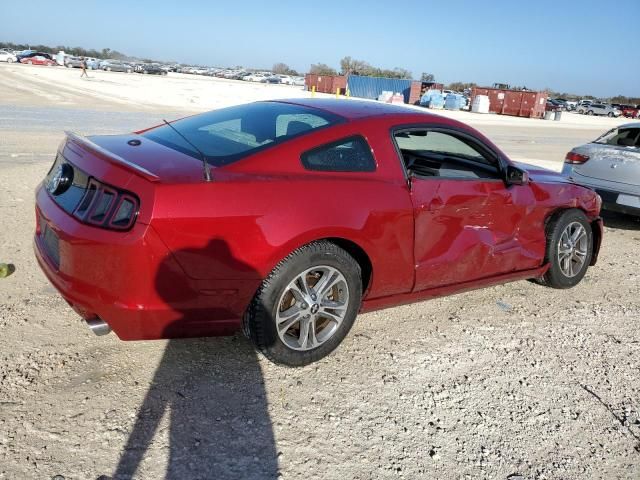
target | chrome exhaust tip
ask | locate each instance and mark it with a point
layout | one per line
(98, 326)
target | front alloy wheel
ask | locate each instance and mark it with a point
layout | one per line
(569, 249)
(573, 247)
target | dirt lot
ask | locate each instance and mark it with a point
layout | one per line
(516, 381)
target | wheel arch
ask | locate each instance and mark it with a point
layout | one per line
(360, 256)
(352, 247)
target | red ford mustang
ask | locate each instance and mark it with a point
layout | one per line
(290, 217)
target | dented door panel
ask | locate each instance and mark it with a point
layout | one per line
(472, 229)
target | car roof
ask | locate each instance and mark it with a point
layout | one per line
(630, 125)
(353, 109)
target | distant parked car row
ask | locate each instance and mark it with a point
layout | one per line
(116, 65)
(240, 74)
(33, 57)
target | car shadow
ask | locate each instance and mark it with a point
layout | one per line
(213, 392)
(620, 221)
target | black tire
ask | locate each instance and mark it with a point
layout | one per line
(260, 318)
(555, 277)
(589, 112)
(610, 114)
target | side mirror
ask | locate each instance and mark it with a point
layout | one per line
(516, 176)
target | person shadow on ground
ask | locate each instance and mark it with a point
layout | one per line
(213, 391)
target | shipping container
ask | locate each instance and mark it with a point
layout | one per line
(415, 93)
(326, 83)
(372, 87)
(521, 103)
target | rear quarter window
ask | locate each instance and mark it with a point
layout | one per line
(351, 154)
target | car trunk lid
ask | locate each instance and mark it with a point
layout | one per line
(611, 163)
(146, 158)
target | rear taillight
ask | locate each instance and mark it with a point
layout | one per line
(107, 207)
(575, 158)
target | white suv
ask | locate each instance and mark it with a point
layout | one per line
(601, 109)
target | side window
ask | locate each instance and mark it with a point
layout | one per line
(628, 137)
(429, 153)
(347, 155)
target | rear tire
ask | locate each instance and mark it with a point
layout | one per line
(569, 249)
(294, 323)
(610, 114)
(590, 112)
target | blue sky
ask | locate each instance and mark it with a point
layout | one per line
(579, 46)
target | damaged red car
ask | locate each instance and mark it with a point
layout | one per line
(288, 218)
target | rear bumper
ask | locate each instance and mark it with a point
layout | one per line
(610, 202)
(130, 280)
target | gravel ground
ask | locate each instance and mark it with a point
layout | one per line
(511, 382)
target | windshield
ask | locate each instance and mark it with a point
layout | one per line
(229, 134)
(626, 137)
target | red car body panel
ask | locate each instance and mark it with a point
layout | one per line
(199, 250)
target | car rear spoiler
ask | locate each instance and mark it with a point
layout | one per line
(110, 156)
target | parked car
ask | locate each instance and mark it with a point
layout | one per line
(256, 77)
(571, 105)
(241, 75)
(39, 60)
(271, 79)
(94, 63)
(285, 79)
(611, 166)
(630, 111)
(115, 66)
(72, 62)
(298, 81)
(150, 68)
(554, 105)
(290, 217)
(6, 56)
(582, 104)
(25, 54)
(561, 102)
(602, 109)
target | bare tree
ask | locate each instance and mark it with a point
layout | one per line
(322, 69)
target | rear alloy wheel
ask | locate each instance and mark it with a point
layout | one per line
(590, 112)
(610, 114)
(9, 60)
(29, 62)
(306, 306)
(569, 249)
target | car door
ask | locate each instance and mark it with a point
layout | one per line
(466, 218)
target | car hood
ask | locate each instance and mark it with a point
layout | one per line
(542, 175)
